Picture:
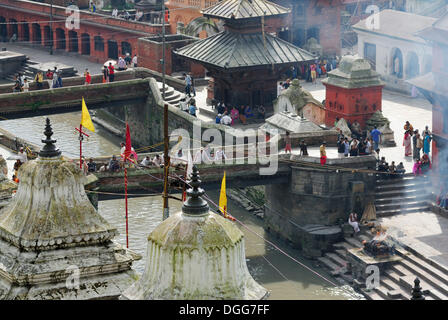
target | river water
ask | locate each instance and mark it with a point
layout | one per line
(281, 275)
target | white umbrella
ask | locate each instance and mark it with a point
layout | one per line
(110, 61)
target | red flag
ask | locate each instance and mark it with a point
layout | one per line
(128, 150)
(166, 15)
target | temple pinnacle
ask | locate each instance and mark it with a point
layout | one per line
(195, 205)
(49, 150)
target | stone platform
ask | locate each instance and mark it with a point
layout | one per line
(360, 260)
(10, 62)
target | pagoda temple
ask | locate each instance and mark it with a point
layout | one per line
(244, 61)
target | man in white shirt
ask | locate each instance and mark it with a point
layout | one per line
(134, 61)
(368, 146)
(226, 120)
(121, 64)
(23, 157)
(158, 160)
(123, 148)
(279, 88)
(146, 162)
(183, 105)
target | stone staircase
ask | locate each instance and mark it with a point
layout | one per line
(25, 69)
(172, 96)
(396, 281)
(402, 195)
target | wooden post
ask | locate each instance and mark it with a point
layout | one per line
(166, 163)
(80, 146)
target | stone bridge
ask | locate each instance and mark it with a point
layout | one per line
(146, 181)
(134, 98)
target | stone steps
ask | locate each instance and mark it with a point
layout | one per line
(438, 274)
(405, 199)
(398, 193)
(428, 282)
(401, 187)
(354, 242)
(397, 281)
(172, 96)
(405, 195)
(416, 208)
(401, 205)
(335, 258)
(334, 268)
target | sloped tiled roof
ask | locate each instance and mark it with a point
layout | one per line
(244, 9)
(234, 50)
(397, 24)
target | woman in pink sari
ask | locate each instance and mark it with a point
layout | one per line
(407, 144)
(417, 169)
(234, 114)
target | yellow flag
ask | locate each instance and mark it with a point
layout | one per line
(86, 122)
(223, 196)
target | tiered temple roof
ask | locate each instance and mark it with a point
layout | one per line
(229, 50)
(244, 9)
(233, 49)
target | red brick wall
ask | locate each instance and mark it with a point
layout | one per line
(92, 24)
(151, 52)
(352, 104)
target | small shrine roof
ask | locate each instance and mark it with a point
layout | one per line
(244, 9)
(353, 72)
(229, 50)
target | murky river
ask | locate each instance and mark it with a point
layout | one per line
(283, 277)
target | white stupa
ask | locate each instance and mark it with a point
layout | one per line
(53, 243)
(196, 255)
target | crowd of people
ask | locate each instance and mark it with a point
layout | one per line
(54, 77)
(418, 146)
(232, 115)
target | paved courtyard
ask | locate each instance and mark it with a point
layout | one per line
(40, 54)
(424, 232)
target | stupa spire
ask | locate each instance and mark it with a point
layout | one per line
(49, 150)
(195, 205)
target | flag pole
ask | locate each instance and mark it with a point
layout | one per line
(126, 200)
(80, 146)
(166, 210)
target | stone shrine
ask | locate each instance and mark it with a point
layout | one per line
(297, 100)
(53, 243)
(353, 91)
(196, 255)
(7, 187)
